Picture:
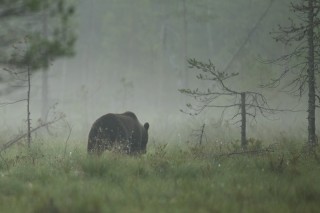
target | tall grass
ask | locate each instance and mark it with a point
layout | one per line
(166, 179)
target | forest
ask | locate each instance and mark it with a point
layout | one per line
(225, 94)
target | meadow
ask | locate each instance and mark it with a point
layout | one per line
(214, 177)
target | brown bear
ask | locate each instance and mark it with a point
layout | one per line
(122, 132)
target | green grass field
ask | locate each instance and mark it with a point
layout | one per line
(194, 179)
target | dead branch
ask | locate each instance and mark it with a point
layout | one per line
(256, 152)
(248, 103)
(9, 103)
(200, 134)
(66, 143)
(18, 138)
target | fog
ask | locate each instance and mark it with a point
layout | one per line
(131, 56)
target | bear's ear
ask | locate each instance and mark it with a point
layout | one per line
(146, 126)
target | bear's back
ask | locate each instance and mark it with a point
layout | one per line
(113, 128)
(108, 120)
(126, 122)
(130, 114)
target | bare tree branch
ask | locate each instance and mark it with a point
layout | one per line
(13, 102)
(18, 138)
(247, 103)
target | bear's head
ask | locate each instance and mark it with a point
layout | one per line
(144, 139)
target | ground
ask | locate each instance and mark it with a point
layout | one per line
(166, 179)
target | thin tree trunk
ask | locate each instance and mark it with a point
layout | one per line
(209, 30)
(243, 121)
(311, 78)
(28, 107)
(201, 135)
(45, 87)
(185, 46)
(163, 66)
(44, 95)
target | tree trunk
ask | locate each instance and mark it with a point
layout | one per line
(185, 47)
(162, 66)
(201, 135)
(44, 95)
(243, 121)
(209, 30)
(45, 87)
(311, 77)
(28, 107)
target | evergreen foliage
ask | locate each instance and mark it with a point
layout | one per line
(25, 20)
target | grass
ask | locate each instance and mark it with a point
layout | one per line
(195, 179)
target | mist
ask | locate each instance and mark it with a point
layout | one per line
(131, 56)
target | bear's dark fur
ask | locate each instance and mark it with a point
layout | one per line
(122, 132)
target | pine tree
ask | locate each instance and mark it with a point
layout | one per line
(22, 19)
(302, 35)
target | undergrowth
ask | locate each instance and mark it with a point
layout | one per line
(217, 177)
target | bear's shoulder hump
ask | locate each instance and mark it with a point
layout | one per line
(130, 114)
